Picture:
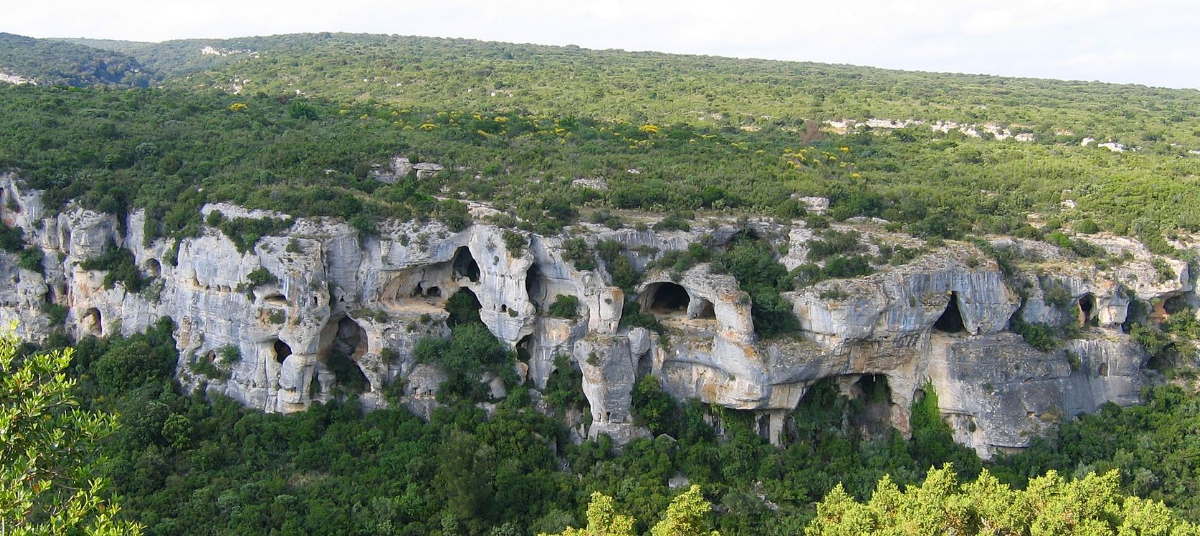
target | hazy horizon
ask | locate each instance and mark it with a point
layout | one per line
(1115, 41)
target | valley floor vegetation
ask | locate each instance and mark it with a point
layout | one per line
(183, 464)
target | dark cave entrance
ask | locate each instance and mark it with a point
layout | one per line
(951, 320)
(1087, 308)
(703, 309)
(535, 286)
(1175, 304)
(282, 350)
(465, 265)
(348, 345)
(871, 405)
(525, 348)
(350, 340)
(665, 299)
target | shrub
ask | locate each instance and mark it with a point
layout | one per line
(121, 268)
(229, 355)
(565, 306)
(577, 252)
(515, 242)
(11, 238)
(31, 259)
(1039, 336)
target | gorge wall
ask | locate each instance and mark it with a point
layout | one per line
(942, 321)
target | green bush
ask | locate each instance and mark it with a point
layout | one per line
(565, 306)
(31, 258)
(577, 252)
(120, 267)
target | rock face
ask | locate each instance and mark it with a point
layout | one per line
(338, 307)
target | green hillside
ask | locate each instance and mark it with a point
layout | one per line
(50, 62)
(531, 120)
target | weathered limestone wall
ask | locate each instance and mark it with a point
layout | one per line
(940, 321)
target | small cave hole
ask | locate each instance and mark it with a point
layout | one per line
(153, 268)
(282, 350)
(1087, 305)
(465, 265)
(665, 298)
(503, 308)
(1103, 369)
(93, 322)
(524, 348)
(951, 320)
(275, 299)
(1175, 304)
(702, 309)
(433, 292)
(417, 291)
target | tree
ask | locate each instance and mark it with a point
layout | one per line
(686, 516)
(1049, 505)
(48, 450)
(603, 520)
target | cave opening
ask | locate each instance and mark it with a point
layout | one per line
(350, 340)
(464, 264)
(665, 298)
(1087, 306)
(93, 322)
(343, 343)
(463, 307)
(433, 292)
(951, 320)
(702, 309)
(525, 348)
(871, 405)
(152, 268)
(535, 287)
(1175, 304)
(282, 350)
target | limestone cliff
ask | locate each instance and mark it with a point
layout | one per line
(941, 321)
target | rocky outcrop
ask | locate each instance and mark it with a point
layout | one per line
(939, 322)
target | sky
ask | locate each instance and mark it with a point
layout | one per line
(1150, 42)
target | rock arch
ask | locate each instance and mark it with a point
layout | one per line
(152, 268)
(701, 309)
(951, 320)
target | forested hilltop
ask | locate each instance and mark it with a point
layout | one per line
(687, 191)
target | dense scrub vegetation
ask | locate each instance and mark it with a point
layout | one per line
(205, 465)
(730, 135)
